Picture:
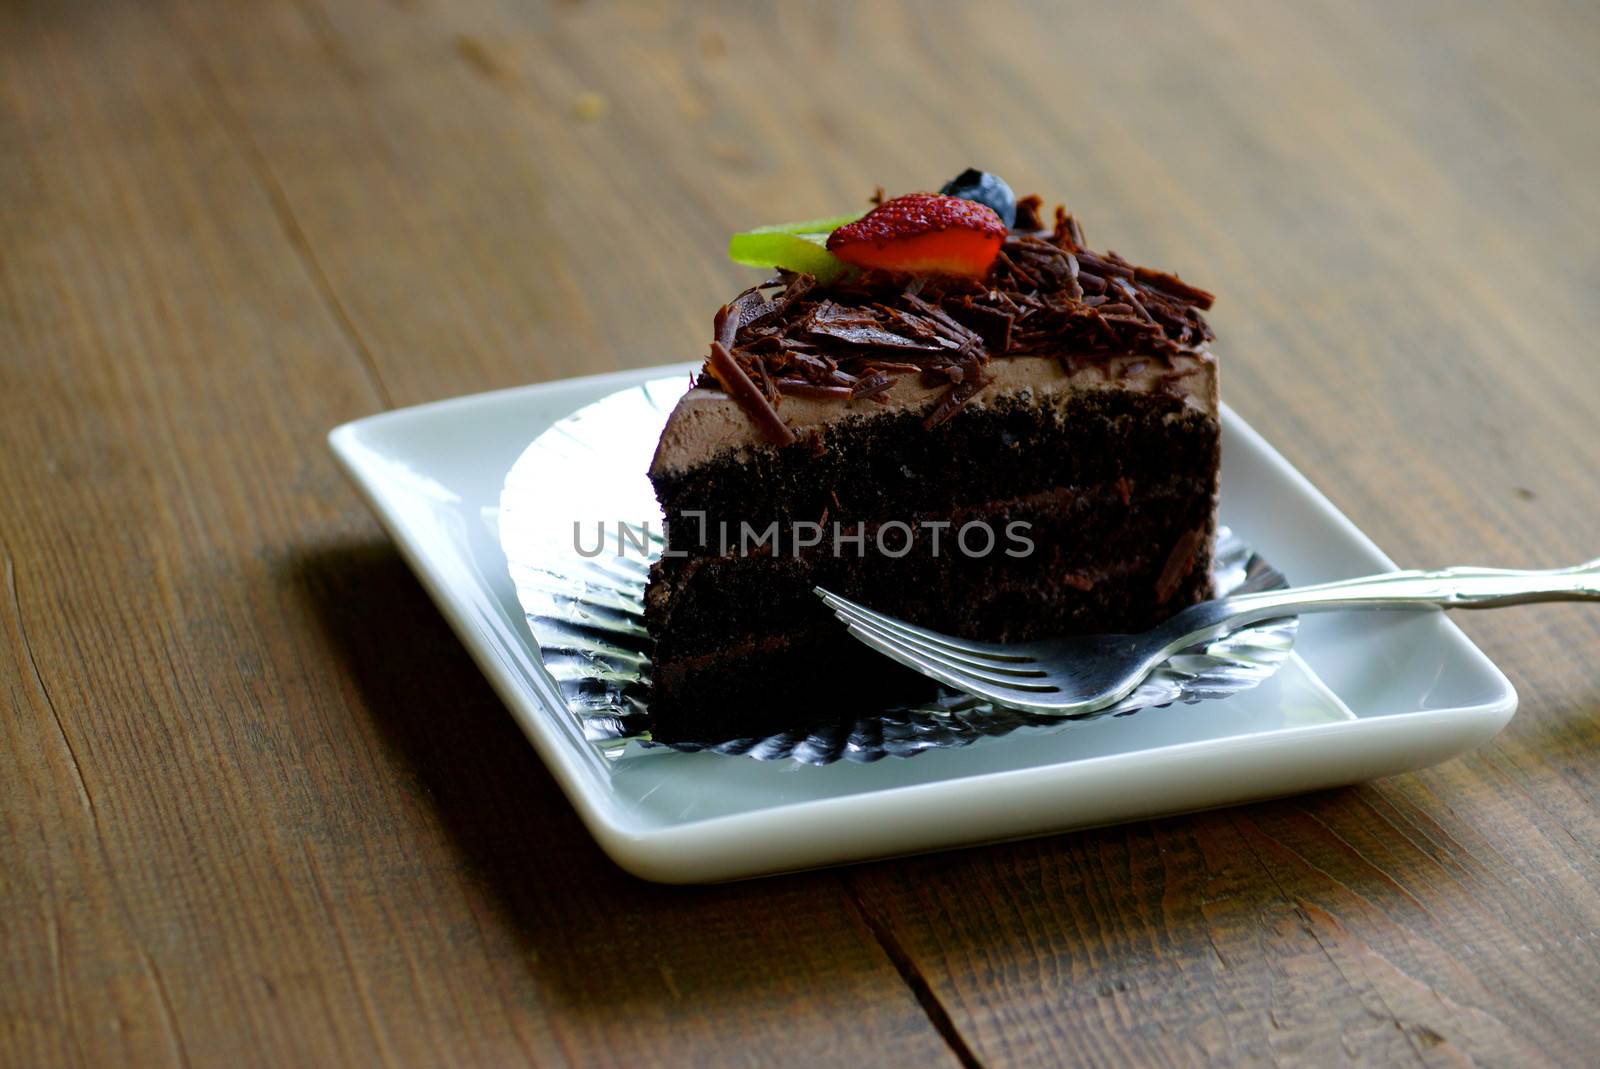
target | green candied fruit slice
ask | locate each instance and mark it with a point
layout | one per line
(792, 246)
(810, 226)
(793, 252)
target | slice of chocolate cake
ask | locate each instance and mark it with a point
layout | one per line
(995, 432)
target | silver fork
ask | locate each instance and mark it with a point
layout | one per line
(1076, 675)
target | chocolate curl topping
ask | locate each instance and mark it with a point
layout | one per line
(1177, 287)
(1133, 299)
(1047, 294)
(1028, 213)
(1068, 234)
(969, 379)
(943, 323)
(727, 371)
(872, 385)
(725, 328)
(802, 388)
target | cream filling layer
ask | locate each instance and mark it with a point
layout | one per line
(706, 423)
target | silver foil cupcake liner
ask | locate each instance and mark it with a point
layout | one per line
(580, 527)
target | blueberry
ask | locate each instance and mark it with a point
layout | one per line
(985, 188)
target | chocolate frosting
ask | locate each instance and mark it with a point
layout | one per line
(1046, 295)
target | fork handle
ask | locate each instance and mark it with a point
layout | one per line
(1446, 588)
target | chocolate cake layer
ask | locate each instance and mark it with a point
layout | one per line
(886, 466)
(811, 673)
(1008, 571)
(803, 681)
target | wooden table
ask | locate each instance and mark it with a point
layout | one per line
(259, 808)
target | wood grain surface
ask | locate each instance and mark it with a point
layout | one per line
(258, 807)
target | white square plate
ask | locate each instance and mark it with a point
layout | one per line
(1367, 694)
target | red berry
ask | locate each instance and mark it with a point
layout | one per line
(923, 233)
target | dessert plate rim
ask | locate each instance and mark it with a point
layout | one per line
(414, 466)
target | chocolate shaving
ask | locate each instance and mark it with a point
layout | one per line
(992, 324)
(1018, 270)
(1169, 283)
(1068, 234)
(1108, 264)
(860, 327)
(960, 392)
(726, 370)
(1028, 218)
(946, 325)
(749, 309)
(768, 390)
(1133, 299)
(946, 373)
(871, 386)
(725, 327)
(908, 324)
(802, 388)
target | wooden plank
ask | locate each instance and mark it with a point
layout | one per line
(229, 228)
(1395, 308)
(260, 807)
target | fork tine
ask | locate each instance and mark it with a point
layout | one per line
(956, 674)
(936, 638)
(936, 670)
(1004, 669)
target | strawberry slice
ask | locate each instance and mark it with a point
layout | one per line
(923, 233)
